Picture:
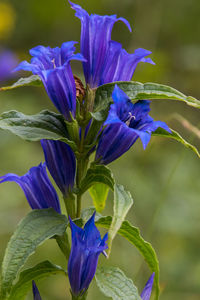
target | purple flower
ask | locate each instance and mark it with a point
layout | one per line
(61, 163)
(36, 294)
(86, 248)
(8, 62)
(126, 123)
(53, 67)
(146, 293)
(37, 188)
(106, 61)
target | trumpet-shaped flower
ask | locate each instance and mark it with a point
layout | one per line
(106, 61)
(61, 163)
(37, 188)
(126, 123)
(36, 294)
(53, 67)
(146, 293)
(86, 248)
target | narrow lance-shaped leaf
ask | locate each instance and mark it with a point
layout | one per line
(37, 273)
(122, 203)
(97, 174)
(26, 239)
(32, 80)
(44, 125)
(113, 283)
(141, 91)
(136, 91)
(132, 234)
(176, 136)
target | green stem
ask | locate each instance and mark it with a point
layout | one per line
(70, 205)
(83, 297)
(81, 167)
(64, 245)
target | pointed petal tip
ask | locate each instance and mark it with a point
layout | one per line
(126, 23)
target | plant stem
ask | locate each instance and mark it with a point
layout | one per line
(64, 245)
(83, 297)
(70, 205)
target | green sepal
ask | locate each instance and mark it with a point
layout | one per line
(113, 283)
(132, 234)
(32, 80)
(37, 273)
(33, 230)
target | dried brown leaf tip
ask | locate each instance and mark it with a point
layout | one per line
(80, 90)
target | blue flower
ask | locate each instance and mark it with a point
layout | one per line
(53, 67)
(36, 294)
(61, 163)
(106, 61)
(146, 293)
(37, 188)
(126, 123)
(86, 248)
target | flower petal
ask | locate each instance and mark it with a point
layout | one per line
(36, 294)
(146, 293)
(95, 37)
(37, 188)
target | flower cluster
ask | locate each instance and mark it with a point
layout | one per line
(104, 61)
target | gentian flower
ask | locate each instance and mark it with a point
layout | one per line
(53, 67)
(61, 162)
(36, 294)
(146, 293)
(8, 61)
(86, 248)
(37, 188)
(106, 61)
(126, 123)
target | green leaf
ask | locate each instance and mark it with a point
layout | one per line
(97, 174)
(140, 91)
(99, 194)
(122, 203)
(37, 273)
(132, 234)
(33, 230)
(113, 283)
(87, 212)
(176, 136)
(33, 80)
(45, 125)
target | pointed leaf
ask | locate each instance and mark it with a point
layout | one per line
(97, 174)
(137, 91)
(45, 125)
(99, 194)
(122, 203)
(37, 273)
(176, 136)
(34, 229)
(27, 81)
(132, 234)
(113, 283)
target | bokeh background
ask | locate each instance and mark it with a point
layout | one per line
(164, 180)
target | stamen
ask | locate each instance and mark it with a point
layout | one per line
(54, 63)
(129, 119)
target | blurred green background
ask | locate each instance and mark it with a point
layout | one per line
(164, 180)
